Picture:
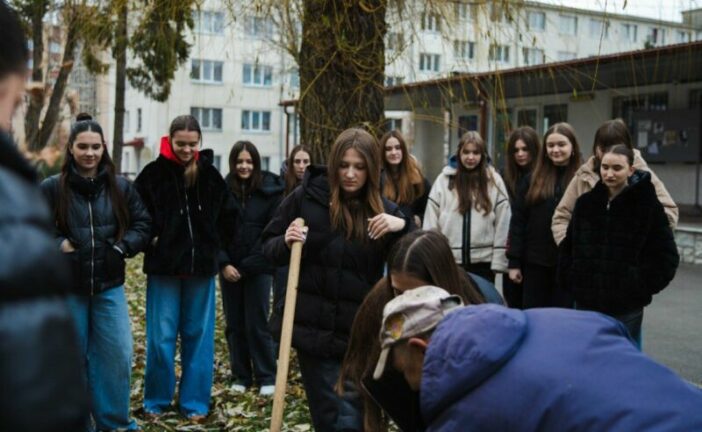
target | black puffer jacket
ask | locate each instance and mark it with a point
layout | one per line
(617, 254)
(530, 237)
(254, 211)
(97, 263)
(416, 207)
(335, 275)
(41, 369)
(188, 223)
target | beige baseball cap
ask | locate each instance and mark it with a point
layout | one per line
(412, 313)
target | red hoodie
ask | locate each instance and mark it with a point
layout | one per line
(167, 151)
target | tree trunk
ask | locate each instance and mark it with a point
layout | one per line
(120, 56)
(52, 112)
(36, 94)
(342, 65)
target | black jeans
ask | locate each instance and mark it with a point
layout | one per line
(330, 412)
(482, 269)
(246, 305)
(513, 293)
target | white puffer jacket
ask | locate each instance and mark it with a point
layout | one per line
(488, 233)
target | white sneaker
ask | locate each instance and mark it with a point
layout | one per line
(237, 388)
(267, 390)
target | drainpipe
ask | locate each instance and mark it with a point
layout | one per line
(287, 131)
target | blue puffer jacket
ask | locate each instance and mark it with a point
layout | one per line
(488, 368)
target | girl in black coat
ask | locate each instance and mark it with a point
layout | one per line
(100, 221)
(619, 249)
(188, 201)
(246, 275)
(351, 228)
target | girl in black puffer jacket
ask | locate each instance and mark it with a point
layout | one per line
(351, 228)
(246, 275)
(100, 220)
(619, 249)
(187, 199)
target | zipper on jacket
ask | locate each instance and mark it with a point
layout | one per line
(92, 249)
(190, 230)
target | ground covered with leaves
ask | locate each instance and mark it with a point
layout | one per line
(229, 411)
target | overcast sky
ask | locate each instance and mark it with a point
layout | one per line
(667, 10)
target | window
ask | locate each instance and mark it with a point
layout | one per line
(54, 47)
(555, 114)
(394, 41)
(684, 37)
(138, 120)
(467, 123)
(566, 55)
(656, 36)
(217, 162)
(295, 79)
(498, 12)
(256, 121)
(209, 22)
(258, 27)
(533, 56)
(431, 22)
(499, 53)
(624, 107)
(463, 49)
(527, 117)
(599, 28)
(536, 20)
(629, 32)
(127, 126)
(393, 80)
(568, 24)
(429, 62)
(462, 10)
(265, 163)
(393, 124)
(258, 75)
(206, 71)
(209, 118)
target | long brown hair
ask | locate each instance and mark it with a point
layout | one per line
(85, 123)
(291, 180)
(610, 133)
(545, 174)
(472, 186)
(186, 123)
(425, 255)
(514, 172)
(406, 184)
(236, 184)
(351, 215)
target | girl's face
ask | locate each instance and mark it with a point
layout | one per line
(470, 156)
(521, 154)
(402, 282)
(559, 149)
(244, 165)
(353, 171)
(185, 144)
(87, 150)
(301, 161)
(615, 171)
(393, 151)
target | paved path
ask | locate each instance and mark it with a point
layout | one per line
(672, 327)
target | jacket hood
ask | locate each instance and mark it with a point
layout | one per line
(638, 181)
(316, 183)
(13, 161)
(452, 167)
(167, 151)
(271, 184)
(463, 353)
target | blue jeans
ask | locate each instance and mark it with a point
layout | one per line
(246, 305)
(185, 307)
(330, 412)
(105, 339)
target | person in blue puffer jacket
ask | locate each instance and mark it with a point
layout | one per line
(489, 368)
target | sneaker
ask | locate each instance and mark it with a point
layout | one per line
(237, 388)
(267, 390)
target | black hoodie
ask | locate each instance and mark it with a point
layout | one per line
(336, 273)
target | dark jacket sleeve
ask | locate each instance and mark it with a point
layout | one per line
(226, 220)
(256, 262)
(138, 235)
(565, 257)
(420, 204)
(660, 254)
(273, 238)
(49, 188)
(142, 184)
(518, 225)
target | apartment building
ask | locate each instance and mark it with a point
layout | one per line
(238, 71)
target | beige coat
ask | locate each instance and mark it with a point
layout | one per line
(586, 178)
(488, 233)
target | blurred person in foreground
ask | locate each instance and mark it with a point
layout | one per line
(489, 368)
(41, 380)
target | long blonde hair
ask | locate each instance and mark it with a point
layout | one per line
(351, 215)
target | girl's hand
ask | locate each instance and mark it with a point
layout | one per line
(295, 233)
(515, 275)
(67, 246)
(230, 273)
(382, 224)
